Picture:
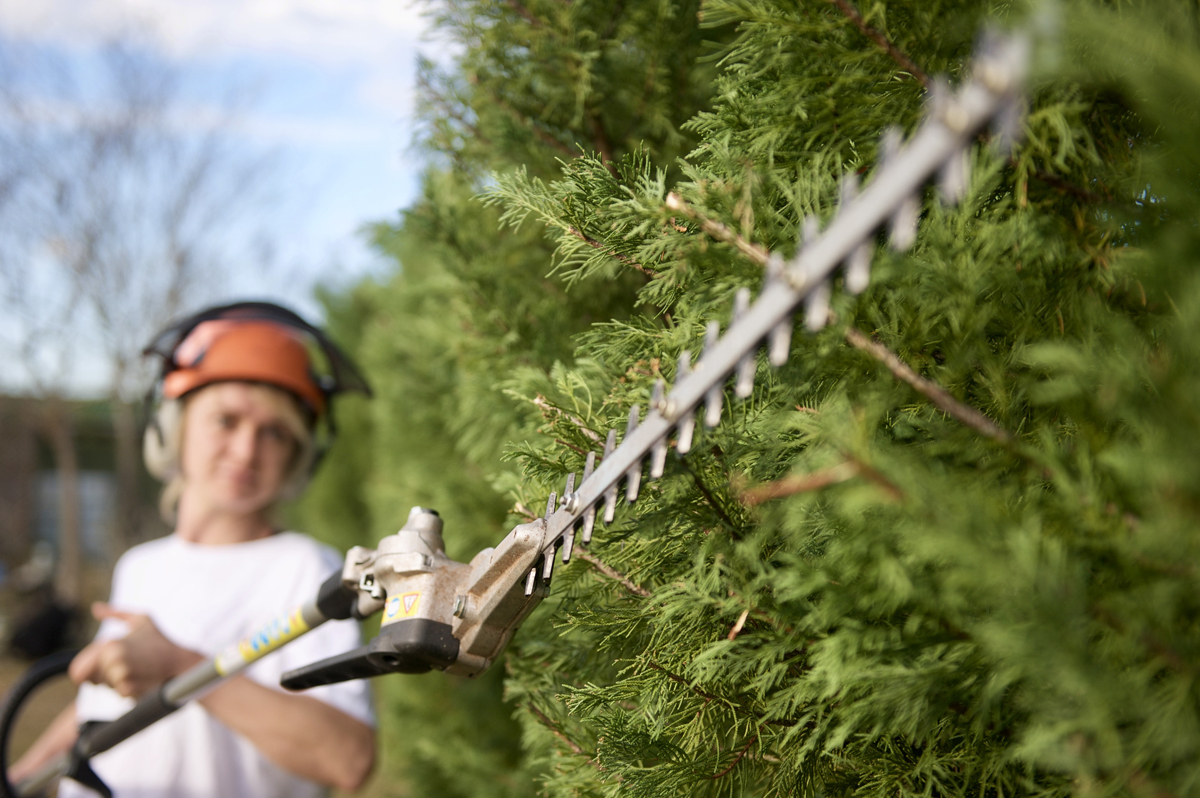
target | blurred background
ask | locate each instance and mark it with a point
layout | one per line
(157, 157)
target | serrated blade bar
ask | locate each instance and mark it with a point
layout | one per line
(895, 181)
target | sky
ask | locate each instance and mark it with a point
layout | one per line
(331, 87)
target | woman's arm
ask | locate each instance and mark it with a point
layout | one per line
(57, 739)
(299, 733)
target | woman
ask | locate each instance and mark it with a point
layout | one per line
(235, 435)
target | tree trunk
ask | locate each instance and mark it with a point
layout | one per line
(127, 526)
(60, 432)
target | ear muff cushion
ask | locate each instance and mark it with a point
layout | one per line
(160, 444)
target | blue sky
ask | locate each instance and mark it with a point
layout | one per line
(331, 88)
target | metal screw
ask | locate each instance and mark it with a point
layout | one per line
(460, 606)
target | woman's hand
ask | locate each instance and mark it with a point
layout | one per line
(135, 664)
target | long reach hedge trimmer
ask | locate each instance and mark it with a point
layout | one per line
(458, 617)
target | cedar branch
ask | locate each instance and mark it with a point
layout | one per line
(612, 573)
(719, 231)
(557, 732)
(737, 758)
(930, 390)
(594, 244)
(572, 447)
(888, 46)
(712, 500)
(545, 406)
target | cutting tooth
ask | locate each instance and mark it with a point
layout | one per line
(551, 503)
(658, 454)
(687, 424)
(1008, 124)
(780, 342)
(610, 495)
(530, 579)
(954, 177)
(633, 477)
(712, 399)
(568, 542)
(744, 384)
(903, 232)
(858, 265)
(547, 563)
(589, 515)
(858, 269)
(774, 269)
(568, 497)
(816, 307)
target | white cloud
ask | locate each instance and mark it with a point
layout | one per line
(338, 31)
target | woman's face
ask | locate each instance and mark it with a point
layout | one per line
(236, 449)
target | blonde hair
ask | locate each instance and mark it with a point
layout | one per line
(164, 457)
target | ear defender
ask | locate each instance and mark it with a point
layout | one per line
(160, 444)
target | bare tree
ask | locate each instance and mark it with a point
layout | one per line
(130, 201)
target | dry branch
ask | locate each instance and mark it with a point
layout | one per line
(800, 483)
(594, 244)
(612, 573)
(930, 390)
(886, 44)
(719, 231)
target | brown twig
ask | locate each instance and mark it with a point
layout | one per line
(737, 758)
(800, 483)
(612, 573)
(541, 402)
(869, 471)
(675, 677)
(737, 627)
(591, 242)
(523, 511)
(572, 447)
(1070, 188)
(886, 44)
(932, 391)
(557, 732)
(719, 231)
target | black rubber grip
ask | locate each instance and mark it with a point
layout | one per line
(341, 668)
(41, 671)
(151, 708)
(336, 601)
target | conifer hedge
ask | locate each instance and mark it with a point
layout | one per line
(949, 549)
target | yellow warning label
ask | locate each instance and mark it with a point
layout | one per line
(402, 606)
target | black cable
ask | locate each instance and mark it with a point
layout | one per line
(41, 671)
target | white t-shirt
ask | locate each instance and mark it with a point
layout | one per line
(205, 598)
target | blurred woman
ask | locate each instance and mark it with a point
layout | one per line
(233, 436)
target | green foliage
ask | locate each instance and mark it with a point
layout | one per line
(911, 608)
